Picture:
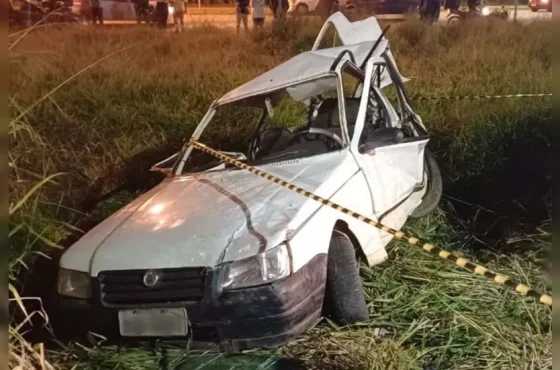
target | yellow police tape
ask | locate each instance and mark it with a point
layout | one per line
(460, 261)
(481, 97)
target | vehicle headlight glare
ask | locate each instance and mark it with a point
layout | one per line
(72, 283)
(263, 268)
(171, 10)
(485, 11)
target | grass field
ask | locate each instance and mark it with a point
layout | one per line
(135, 94)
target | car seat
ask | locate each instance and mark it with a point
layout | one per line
(328, 116)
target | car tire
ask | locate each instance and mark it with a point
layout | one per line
(434, 184)
(302, 9)
(453, 20)
(534, 10)
(345, 301)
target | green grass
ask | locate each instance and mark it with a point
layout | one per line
(113, 120)
(438, 314)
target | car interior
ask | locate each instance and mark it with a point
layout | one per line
(322, 133)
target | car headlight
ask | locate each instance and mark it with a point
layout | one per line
(73, 283)
(260, 269)
(485, 11)
(171, 10)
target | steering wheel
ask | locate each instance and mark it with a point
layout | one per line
(331, 140)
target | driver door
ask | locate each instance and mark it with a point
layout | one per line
(392, 163)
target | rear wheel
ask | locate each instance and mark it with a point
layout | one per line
(344, 299)
(434, 186)
(534, 10)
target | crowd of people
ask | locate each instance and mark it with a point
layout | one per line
(278, 8)
(159, 14)
(243, 8)
(430, 9)
(145, 12)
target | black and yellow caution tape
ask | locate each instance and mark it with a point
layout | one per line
(430, 248)
(480, 97)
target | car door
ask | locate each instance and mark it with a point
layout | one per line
(392, 167)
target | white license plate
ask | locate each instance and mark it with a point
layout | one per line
(160, 322)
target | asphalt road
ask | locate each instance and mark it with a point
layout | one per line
(196, 17)
(227, 20)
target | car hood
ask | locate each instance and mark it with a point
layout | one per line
(209, 218)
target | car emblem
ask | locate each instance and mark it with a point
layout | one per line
(150, 279)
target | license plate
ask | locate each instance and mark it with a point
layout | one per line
(161, 322)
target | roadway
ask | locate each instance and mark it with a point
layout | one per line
(229, 20)
(226, 20)
(224, 17)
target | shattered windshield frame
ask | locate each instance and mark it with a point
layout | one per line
(305, 92)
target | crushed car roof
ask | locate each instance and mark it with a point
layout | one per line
(357, 37)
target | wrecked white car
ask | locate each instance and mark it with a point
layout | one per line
(217, 255)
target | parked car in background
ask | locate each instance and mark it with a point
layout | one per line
(464, 13)
(537, 5)
(119, 10)
(25, 13)
(368, 6)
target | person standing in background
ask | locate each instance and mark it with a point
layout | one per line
(349, 10)
(273, 4)
(452, 5)
(258, 13)
(242, 11)
(162, 13)
(96, 12)
(335, 7)
(283, 6)
(179, 10)
(141, 9)
(429, 10)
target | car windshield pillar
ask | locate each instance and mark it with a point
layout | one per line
(293, 103)
(403, 98)
(347, 65)
(369, 91)
(187, 148)
(366, 86)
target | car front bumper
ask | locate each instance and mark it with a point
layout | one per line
(262, 316)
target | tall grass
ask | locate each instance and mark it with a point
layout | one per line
(105, 127)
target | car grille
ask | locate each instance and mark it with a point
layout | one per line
(173, 285)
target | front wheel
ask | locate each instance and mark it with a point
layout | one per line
(434, 187)
(453, 20)
(344, 299)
